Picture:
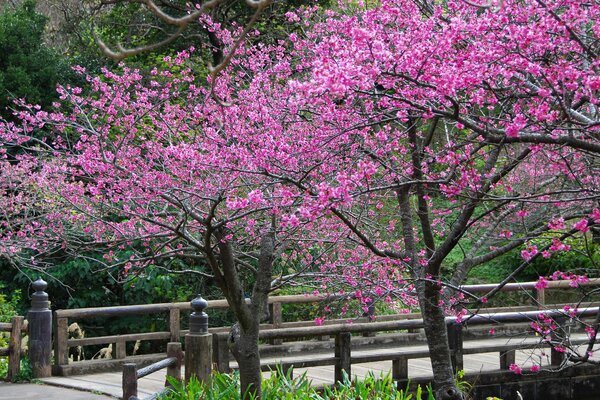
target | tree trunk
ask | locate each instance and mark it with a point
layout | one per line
(437, 341)
(244, 347)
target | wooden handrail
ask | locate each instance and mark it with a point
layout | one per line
(63, 343)
(376, 326)
(131, 374)
(141, 309)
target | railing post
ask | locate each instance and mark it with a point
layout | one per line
(61, 350)
(174, 371)
(540, 297)
(40, 331)
(174, 324)
(130, 383)
(276, 319)
(370, 314)
(198, 343)
(221, 352)
(342, 355)
(557, 357)
(507, 358)
(14, 348)
(455, 343)
(120, 350)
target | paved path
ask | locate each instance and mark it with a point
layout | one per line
(31, 391)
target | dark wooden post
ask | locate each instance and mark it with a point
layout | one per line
(221, 352)
(455, 342)
(14, 348)
(276, 319)
(370, 314)
(198, 343)
(174, 324)
(540, 297)
(342, 355)
(40, 331)
(130, 383)
(61, 350)
(174, 351)
(507, 358)
(557, 357)
(400, 369)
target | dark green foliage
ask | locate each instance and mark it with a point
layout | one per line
(582, 260)
(28, 69)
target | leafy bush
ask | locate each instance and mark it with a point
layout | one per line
(8, 309)
(283, 386)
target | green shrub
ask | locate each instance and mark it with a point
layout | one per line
(8, 309)
(282, 386)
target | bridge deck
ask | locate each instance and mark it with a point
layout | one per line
(110, 383)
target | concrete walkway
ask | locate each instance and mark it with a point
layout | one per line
(32, 391)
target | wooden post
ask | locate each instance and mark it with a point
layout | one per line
(14, 348)
(130, 383)
(540, 297)
(174, 324)
(120, 350)
(557, 357)
(400, 369)
(342, 355)
(40, 331)
(174, 371)
(507, 358)
(455, 343)
(370, 314)
(198, 343)
(221, 352)
(276, 319)
(61, 350)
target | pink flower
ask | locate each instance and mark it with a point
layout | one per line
(534, 368)
(516, 369)
(582, 225)
(595, 215)
(529, 253)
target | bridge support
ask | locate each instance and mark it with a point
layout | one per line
(198, 343)
(342, 355)
(40, 331)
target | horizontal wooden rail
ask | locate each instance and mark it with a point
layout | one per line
(118, 338)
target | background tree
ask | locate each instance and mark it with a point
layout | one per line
(28, 69)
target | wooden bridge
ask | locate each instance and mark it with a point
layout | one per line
(392, 344)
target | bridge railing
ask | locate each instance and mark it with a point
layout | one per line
(131, 373)
(172, 313)
(342, 357)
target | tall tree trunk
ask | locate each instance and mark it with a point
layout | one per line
(437, 341)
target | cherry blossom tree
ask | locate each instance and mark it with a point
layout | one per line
(141, 169)
(437, 131)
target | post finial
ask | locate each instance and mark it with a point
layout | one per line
(198, 318)
(39, 300)
(39, 285)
